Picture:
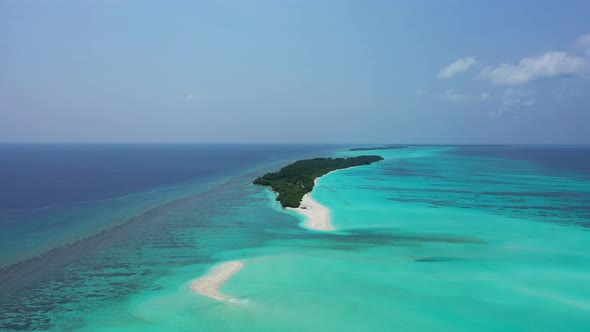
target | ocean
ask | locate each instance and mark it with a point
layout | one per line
(433, 238)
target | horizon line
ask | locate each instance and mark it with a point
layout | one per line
(272, 143)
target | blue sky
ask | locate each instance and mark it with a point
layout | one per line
(295, 71)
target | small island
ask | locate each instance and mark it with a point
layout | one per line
(292, 182)
(387, 147)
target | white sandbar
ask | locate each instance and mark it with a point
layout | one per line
(209, 284)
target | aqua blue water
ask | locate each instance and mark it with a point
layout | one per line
(431, 238)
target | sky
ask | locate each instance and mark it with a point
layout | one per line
(471, 72)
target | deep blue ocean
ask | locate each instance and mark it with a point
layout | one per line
(43, 175)
(57, 194)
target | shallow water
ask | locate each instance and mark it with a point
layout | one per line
(432, 238)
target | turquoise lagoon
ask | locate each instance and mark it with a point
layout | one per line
(430, 239)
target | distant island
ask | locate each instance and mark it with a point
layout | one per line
(386, 147)
(292, 182)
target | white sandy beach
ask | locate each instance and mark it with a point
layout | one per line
(209, 284)
(318, 216)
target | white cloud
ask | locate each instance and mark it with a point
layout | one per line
(192, 97)
(528, 102)
(550, 64)
(514, 97)
(505, 103)
(452, 96)
(456, 67)
(485, 96)
(421, 92)
(511, 100)
(584, 43)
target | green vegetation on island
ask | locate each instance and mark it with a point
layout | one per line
(292, 182)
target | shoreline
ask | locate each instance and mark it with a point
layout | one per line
(317, 215)
(317, 218)
(208, 285)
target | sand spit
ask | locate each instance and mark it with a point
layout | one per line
(209, 284)
(318, 216)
